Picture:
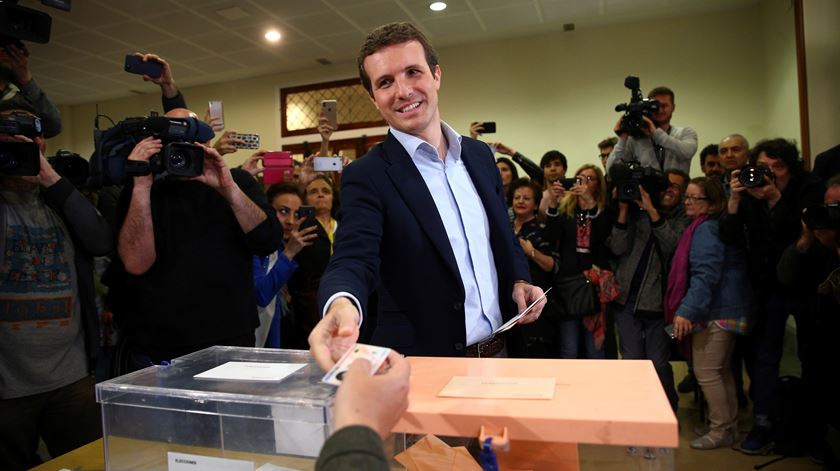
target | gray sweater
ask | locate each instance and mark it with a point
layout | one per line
(627, 242)
(678, 147)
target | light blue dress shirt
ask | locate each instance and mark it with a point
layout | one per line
(467, 228)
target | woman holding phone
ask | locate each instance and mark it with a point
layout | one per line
(320, 199)
(579, 229)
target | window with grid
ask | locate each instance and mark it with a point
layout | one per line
(300, 107)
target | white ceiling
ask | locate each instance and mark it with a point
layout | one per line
(209, 41)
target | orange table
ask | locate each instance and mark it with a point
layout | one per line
(605, 402)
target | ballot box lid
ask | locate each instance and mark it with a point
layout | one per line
(605, 402)
(175, 386)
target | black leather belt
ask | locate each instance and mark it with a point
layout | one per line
(488, 348)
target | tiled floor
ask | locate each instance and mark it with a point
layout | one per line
(727, 459)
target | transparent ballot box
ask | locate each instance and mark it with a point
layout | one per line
(247, 412)
(592, 415)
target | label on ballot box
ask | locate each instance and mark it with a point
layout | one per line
(190, 462)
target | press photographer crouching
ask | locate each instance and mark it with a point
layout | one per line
(49, 334)
(644, 238)
(763, 217)
(188, 228)
(645, 132)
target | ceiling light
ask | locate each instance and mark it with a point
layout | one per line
(437, 6)
(272, 35)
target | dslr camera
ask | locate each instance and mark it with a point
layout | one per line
(71, 166)
(752, 175)
(638, 107)
(822, 216)
(628, 176)
(18, 159)
(179, 156)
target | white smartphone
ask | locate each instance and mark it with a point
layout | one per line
(328, 108)
(217, 115)
(328, 164)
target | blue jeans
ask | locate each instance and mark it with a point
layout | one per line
(645, 339)
(571, 331)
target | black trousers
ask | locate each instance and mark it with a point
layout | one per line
(66, 418)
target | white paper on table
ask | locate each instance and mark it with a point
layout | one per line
(499, 387)
(190, 462)
(251, 371)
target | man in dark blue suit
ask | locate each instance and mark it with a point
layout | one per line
(424, 224)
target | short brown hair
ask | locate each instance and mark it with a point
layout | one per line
(608, 142)
(662, 91)
(714, 192)
(388, 35)
(525, 183)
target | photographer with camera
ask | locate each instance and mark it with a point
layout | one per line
(19, 89)
(646, 134)
(644, 239)
(49, 328)
(807, 268)
(185, 248)
(763, 216)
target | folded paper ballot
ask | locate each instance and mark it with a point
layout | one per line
(501, 387)
(509, 324)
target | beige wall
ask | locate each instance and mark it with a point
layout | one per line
(552, 91)
(822, 49)
(781, 93)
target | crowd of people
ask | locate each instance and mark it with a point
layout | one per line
(433, 244)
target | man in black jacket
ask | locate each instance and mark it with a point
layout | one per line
(765, 219)
(808, 267)
(183, 278)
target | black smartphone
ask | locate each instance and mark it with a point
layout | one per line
(568, 183)
(489, 127)
(306, 216)
(135, 65)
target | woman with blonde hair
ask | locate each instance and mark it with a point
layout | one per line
(579, 227)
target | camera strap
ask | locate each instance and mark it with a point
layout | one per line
(658, 151)
(137, 168)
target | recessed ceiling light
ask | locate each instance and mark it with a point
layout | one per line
(272, 35)
(437, 6)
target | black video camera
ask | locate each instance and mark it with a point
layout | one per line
(639, 107)
(179, 157)
(21, 23)
(822, 216)
(20, 123)
(628, 176)
(752, 175)
(71, 166)
(20, 159)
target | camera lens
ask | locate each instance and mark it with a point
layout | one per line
(751, 176)
(628, 191)
(7, 161)
(177, 160)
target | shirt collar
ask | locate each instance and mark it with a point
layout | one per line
(412, 143)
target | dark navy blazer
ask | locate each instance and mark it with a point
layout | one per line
(391, 240)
